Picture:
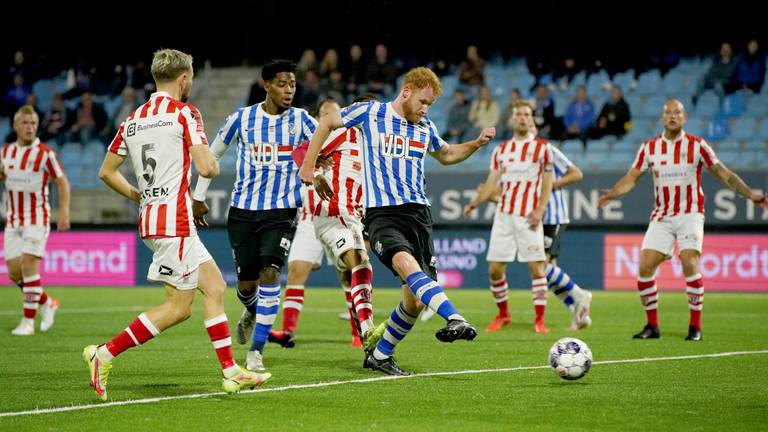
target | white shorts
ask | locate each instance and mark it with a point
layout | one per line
(340, 234)
(686, 229)
(511, 236)
(176, 260)
(29, 239)
(306, 247)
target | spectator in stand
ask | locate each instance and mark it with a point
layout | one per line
(564, 73)
(18, 67)
(90, 120)
(257, 93)
(458, 118)
(354, 71)
(129, 104)
(544, 114)
(329, 64)
(614, 116)
(57, 120)
(579, 116)
(16, 96)
(381, 73)
(472, 70)
(750, 70)
(307, 62)
(504, 128)
(308, 92)
(720, 76)
(483, 113)
(333, 87)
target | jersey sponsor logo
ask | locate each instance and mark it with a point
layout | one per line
(396, 146)
(131, 130)
(157, 124)
(271, 153)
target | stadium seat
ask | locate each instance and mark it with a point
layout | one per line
(695, 126)
(717, 129)
(734, 105)
(653, 106)
(755, 145)
(757, 105)
(729, 156)
(648, 83)
(744, 129)
(762, 131)
(707, 105)
(624, 80)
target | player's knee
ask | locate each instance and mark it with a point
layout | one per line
(247, 287)
(269, 275)
(496, 271)
(29, 264)
(647, 269)
(404, 263)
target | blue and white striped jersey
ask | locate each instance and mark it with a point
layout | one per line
(267, 177)
(393, 152)
(557, 207)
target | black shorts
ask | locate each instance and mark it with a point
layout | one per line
(259, 239)
(407, 228)
(552, 236)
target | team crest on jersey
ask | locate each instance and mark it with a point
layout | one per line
(291, 128)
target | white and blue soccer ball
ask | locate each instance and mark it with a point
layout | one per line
(570, 358)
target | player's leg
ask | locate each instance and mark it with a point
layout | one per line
(12, 241)
(576, 299)
(213, 287)
(657, 246)
(502, 249)
(33, 240)
(530, 249)
(690, 239)
(243, 234)
(345, 279)
(274, 243)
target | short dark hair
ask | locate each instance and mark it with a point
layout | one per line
(366, 97)
(271, 69)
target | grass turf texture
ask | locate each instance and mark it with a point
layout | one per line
(46, 370)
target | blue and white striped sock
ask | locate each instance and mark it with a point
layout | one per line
(398, 325)
(562, 284)
(432, 295)
(266, 313)
(248, 300)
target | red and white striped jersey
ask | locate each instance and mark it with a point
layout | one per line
(309, 199)
(345, 178)
(157, 137)
(522, 165)
(28, 170)
(676, 168)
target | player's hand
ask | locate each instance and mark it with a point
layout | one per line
(486, 135)
(322, 188)
(62, 222)
(199, 210)
(759, 199)
(534, 219)
(324, 162)
(468, 209)
(307, 173)
(604, 199)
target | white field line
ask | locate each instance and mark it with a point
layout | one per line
(361, 381)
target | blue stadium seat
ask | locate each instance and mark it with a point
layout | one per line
(674, 82)
(728, 145)
(624, 80)
(707, 105)
(734, 105)
(755, 145)
(762, 131)
(695, 126)
(729, 156)
(653, 106)
(648, 83)
(758, 105)
(600, 145)
(744, 129)
(717, 129)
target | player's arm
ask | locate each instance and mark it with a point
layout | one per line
(62, 185)
(535, 217)
(111, 175)
(327, 124)
(485, 191)
(624, 185)
(573, 175)
(2, 171)
(205, 163)
(450, 154)
(736, 184)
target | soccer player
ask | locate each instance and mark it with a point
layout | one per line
(396, 137)
(167, 134)
(523, 167)
(25, 166)
(267, 192)
(675, 158)
(576, 299)
(338, 216)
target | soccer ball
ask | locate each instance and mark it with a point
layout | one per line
(570, 358)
